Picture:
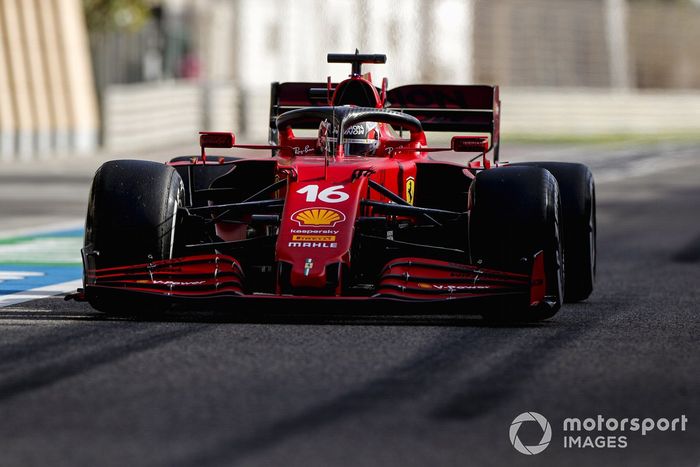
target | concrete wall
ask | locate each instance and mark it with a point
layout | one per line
(47, 96)
(586, 111)
(162, 114)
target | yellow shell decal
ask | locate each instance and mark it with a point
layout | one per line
(410, 190)
(318, 217)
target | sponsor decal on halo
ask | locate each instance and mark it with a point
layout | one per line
(318, 217)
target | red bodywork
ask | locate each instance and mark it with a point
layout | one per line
(326, 195)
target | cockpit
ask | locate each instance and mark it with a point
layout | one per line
(347, 131)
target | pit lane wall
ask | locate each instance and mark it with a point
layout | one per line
(48, 103)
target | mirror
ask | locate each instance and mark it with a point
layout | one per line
(470, 143)
(211, 139)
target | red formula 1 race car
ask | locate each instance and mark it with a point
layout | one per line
(347, 205)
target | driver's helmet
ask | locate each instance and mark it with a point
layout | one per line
(361, 139)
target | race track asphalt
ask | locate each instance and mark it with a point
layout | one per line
(290, 389)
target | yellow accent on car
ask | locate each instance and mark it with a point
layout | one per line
(318, 217)
(410, 190)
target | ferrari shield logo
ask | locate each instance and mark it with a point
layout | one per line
(410, 187)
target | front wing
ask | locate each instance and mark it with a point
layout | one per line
(217, 281)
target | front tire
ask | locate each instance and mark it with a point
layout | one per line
(577, 190)
(516, 212)
(131, 218)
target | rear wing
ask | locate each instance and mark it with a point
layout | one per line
(292, 96)
(448, 108)
(453, 108)
(296, 95)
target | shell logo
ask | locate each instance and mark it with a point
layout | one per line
(318, 217)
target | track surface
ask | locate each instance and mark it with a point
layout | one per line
(220, 389)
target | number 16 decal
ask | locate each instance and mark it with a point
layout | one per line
(332, 194)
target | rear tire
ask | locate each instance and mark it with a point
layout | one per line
(131, 218)
(516, 212)
(577, 190)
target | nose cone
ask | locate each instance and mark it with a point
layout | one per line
(316, 230)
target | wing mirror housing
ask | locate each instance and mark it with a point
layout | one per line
(469, 143)
(215, 139)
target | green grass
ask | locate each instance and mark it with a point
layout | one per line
(41, 249)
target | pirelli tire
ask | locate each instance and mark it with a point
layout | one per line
(577, 189)
(131, 217)
(515, 213)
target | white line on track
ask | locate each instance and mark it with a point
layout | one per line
(18, 275)
(39, 292)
